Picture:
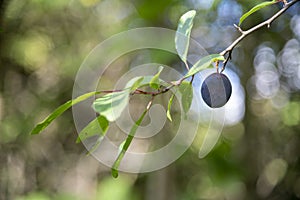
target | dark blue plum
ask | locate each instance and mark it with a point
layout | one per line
(216, 90)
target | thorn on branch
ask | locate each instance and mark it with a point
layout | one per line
(238, 28)
(226, 60)
(285, 2)
(192, 79)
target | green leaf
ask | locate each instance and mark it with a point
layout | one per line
(138, 81)
(256, 8)
(96, 145)
(186, 90)
(154, 83)
(169, 107)
(121, 146)
(98, 126)
(182, 37)
(136, 84)
(203, 63)
(125, 146)
(58, 111)
(112, 105)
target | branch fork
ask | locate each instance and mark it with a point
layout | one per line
(267, 23)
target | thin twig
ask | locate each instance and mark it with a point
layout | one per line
(164, 90)
(110, 91)
(238, 28)
(267, 23)
(228, 51)
(192, 79)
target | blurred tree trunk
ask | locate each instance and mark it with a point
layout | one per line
(160, 185)
(3, 3)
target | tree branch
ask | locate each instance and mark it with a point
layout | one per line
(267, 23)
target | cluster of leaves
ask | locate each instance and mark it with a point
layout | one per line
(112, 103)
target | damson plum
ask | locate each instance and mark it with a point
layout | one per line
(216, 90)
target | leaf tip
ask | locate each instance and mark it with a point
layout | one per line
(37, 129)
(160, 68)
(78, 140)
(191, 12)
(114, 173)
(169, 116)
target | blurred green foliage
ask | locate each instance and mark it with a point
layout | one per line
(42, 46)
